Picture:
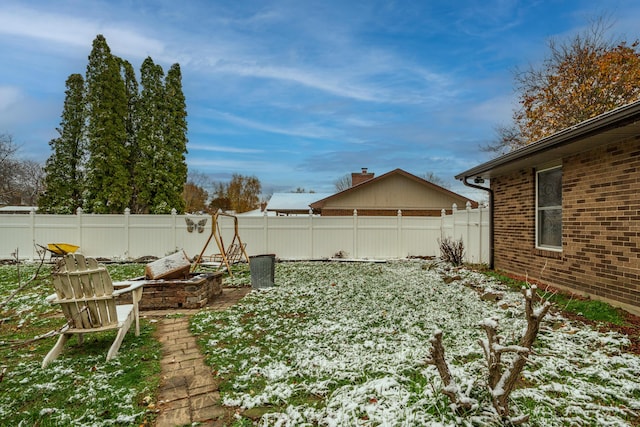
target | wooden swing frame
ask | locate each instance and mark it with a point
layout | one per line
(217, 235)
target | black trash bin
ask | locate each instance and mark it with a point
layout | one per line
(263, 269)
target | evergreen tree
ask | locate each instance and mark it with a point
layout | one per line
(130, 146)
(151, 170)
(64, 179)
(176, 136)
(108, 177)
(131, 122)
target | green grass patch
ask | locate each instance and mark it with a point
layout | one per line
(80, 387)
(345, 344)
(593, 310)
(241, 276)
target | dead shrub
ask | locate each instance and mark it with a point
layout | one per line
(451, 250)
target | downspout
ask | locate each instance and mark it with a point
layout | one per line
(490, 191)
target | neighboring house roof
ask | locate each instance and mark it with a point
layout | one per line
(18, 209)
(615, 125)
(256, 212)
(293, 202)
(392, 201)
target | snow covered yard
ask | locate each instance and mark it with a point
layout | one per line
(344, 344)
(80, 388)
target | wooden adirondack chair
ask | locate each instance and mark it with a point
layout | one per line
(86, 294)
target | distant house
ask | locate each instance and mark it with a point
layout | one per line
(18, 209)
(566, 209)
(293, 203)
(386, 194)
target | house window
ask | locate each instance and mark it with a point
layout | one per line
(549, 209)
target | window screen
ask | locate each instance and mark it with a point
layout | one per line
(549, 208)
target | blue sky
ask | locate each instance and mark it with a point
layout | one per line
(300, 93)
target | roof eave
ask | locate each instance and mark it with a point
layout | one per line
(623, 116)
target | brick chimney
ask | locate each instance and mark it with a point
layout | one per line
(358, 178)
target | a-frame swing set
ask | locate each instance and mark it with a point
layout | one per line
(228, 255)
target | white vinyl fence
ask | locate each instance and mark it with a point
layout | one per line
(128, 236)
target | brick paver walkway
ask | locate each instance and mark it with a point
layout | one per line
(188, 391)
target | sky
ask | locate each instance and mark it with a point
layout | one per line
(301, 93)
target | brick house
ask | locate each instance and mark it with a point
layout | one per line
(386, 194)
(566, 209)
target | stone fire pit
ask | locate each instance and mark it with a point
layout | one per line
(195, 291)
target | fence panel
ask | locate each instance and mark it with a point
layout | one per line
(420, 235)
(377, 237)
(333, 235)
(289, 237)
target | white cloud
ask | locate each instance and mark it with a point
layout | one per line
(226, 165)
(18, 21)
(69, 30)
(496, 110)
(9, 96)
(223, 149)
(306, 131)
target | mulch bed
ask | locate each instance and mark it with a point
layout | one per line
(630, 328)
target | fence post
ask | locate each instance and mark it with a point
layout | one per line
(127, 238)
(174, 219)
(355, 233)
(480, 226)
(311, 232)
(399, 235)
(79, 213)
(454, 211)
(265, 229)
(32, 225)
(467, 242)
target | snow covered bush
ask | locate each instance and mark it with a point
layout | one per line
(451, 250)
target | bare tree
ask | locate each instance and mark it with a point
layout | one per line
(21, 181)
(434, 179)
(343, 183)
(241, 194)
(195, 197)
(31, 181)
(582, 77)
(200, 179)
(8, 168)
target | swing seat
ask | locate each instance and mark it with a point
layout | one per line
(233, 254)
(226, 256)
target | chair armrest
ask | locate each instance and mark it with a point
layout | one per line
(129, 287)
(52, 299)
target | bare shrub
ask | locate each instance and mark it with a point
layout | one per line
(341, 255)
(451, 250)
(502, 376)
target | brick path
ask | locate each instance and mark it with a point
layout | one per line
(188, 391)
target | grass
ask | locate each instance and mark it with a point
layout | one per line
(332, 344)
(344, 343)
(80, 387)
(596, 311)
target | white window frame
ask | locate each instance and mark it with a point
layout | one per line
(538, 210)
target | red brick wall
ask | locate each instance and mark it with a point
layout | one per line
(600, 226)
(383, 212)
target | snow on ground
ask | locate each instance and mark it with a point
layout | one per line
(344, 344)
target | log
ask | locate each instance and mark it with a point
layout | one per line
(175, 266)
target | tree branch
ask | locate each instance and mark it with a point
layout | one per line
(451, 389)
(21, 287)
